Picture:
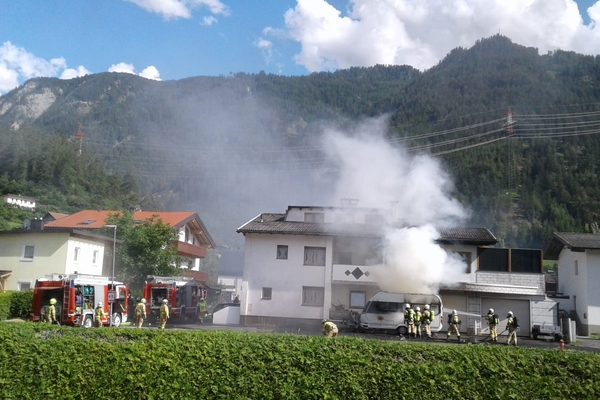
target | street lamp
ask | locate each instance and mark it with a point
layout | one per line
(112, 279)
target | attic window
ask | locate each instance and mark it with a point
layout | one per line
(87, 222)
(138, 221)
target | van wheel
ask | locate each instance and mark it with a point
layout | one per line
(87, 322)
(402, 330)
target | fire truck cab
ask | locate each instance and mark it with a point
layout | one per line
(76, 298)
(182, 294)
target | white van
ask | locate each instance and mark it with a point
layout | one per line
(385, 311)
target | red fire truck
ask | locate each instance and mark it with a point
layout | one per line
(77, 296)
(182, 294)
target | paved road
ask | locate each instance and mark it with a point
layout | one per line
(582, 343)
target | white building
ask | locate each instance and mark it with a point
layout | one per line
(16, 200)
(300, 266)
(578, 256)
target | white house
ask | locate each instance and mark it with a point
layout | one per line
(302, 265)
(578, 257)
(26, 255)
(16, 200)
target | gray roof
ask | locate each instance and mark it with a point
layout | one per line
(570, 240)
(276, 224)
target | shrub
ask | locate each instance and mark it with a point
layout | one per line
(5, 305)
(172, 364)
(20, 304)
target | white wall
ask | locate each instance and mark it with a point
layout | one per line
(593, 284)
(571, 284)
(285, 277)
(85, 263)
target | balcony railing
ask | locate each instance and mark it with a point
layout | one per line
(190, 250)
(343, 273)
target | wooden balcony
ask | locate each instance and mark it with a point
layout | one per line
(189, 250)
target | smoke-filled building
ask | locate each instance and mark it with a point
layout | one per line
(306, 264)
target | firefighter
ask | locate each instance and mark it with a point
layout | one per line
(409, 320)
(99, 315)
(50, 314)
(329, 328)
(453, 323)
(140, 312)
(511, 326)
(428, 316)
(418, 319)
(164, 314)
(493, 321)
(202, 310)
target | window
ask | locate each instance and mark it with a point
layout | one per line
(314, 256)
(345, 257)
(266, 293)
(23, 286)
(282, 252)
(576, 267)
(28, 251)
(95, 257)
(357, 299)
(317, 218)
(466, 256)
(313, 296)
(77, 252)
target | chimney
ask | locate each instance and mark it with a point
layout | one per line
(348, 202)
(37, 224)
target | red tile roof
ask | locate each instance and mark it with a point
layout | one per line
(95, 219)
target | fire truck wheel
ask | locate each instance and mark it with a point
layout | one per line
(87, 322)
(116, 320)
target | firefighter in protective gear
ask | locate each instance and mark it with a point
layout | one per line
(140, 313)
(418, 319)
(50, 314)
(409, 320)
(511, 326)
(493, 321)
(99, 315)
(427, 319)
(202, 310)
(453, 323)
(164, 314)
(329, 328)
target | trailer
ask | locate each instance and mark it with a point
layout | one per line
(77, 296)
(182, 294)
(547, 331)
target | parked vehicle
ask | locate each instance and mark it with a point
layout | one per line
(77, 296)
(182, 294)
(385, 311)
(547, 331)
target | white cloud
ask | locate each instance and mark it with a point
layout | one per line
(420, 33)
(173, 9)
(16, 64)
(149, 72)
(122, 67)
(266, 47)
(71, 73)
(208, 21)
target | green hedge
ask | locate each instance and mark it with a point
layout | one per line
(50, 362)
(15, 304)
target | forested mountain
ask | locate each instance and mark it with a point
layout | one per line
(230, 147)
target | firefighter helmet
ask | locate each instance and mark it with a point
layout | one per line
(324, 321)
(100, 304)
(454, 312)
(418, 309)
(427, 306)
(510, 313)
(143, 300)
(491, 311)
(165, 301)
(52, 301)
(407, 306)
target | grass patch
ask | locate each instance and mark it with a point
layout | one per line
(53, 362)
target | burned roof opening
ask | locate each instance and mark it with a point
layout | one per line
(87, 222)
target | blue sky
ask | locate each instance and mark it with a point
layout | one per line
(176, 39)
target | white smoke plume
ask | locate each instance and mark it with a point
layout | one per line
(414, 194)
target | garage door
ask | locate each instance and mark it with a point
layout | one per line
(458, 303)
(520, 308)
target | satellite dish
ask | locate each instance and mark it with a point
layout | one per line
(26, 224)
